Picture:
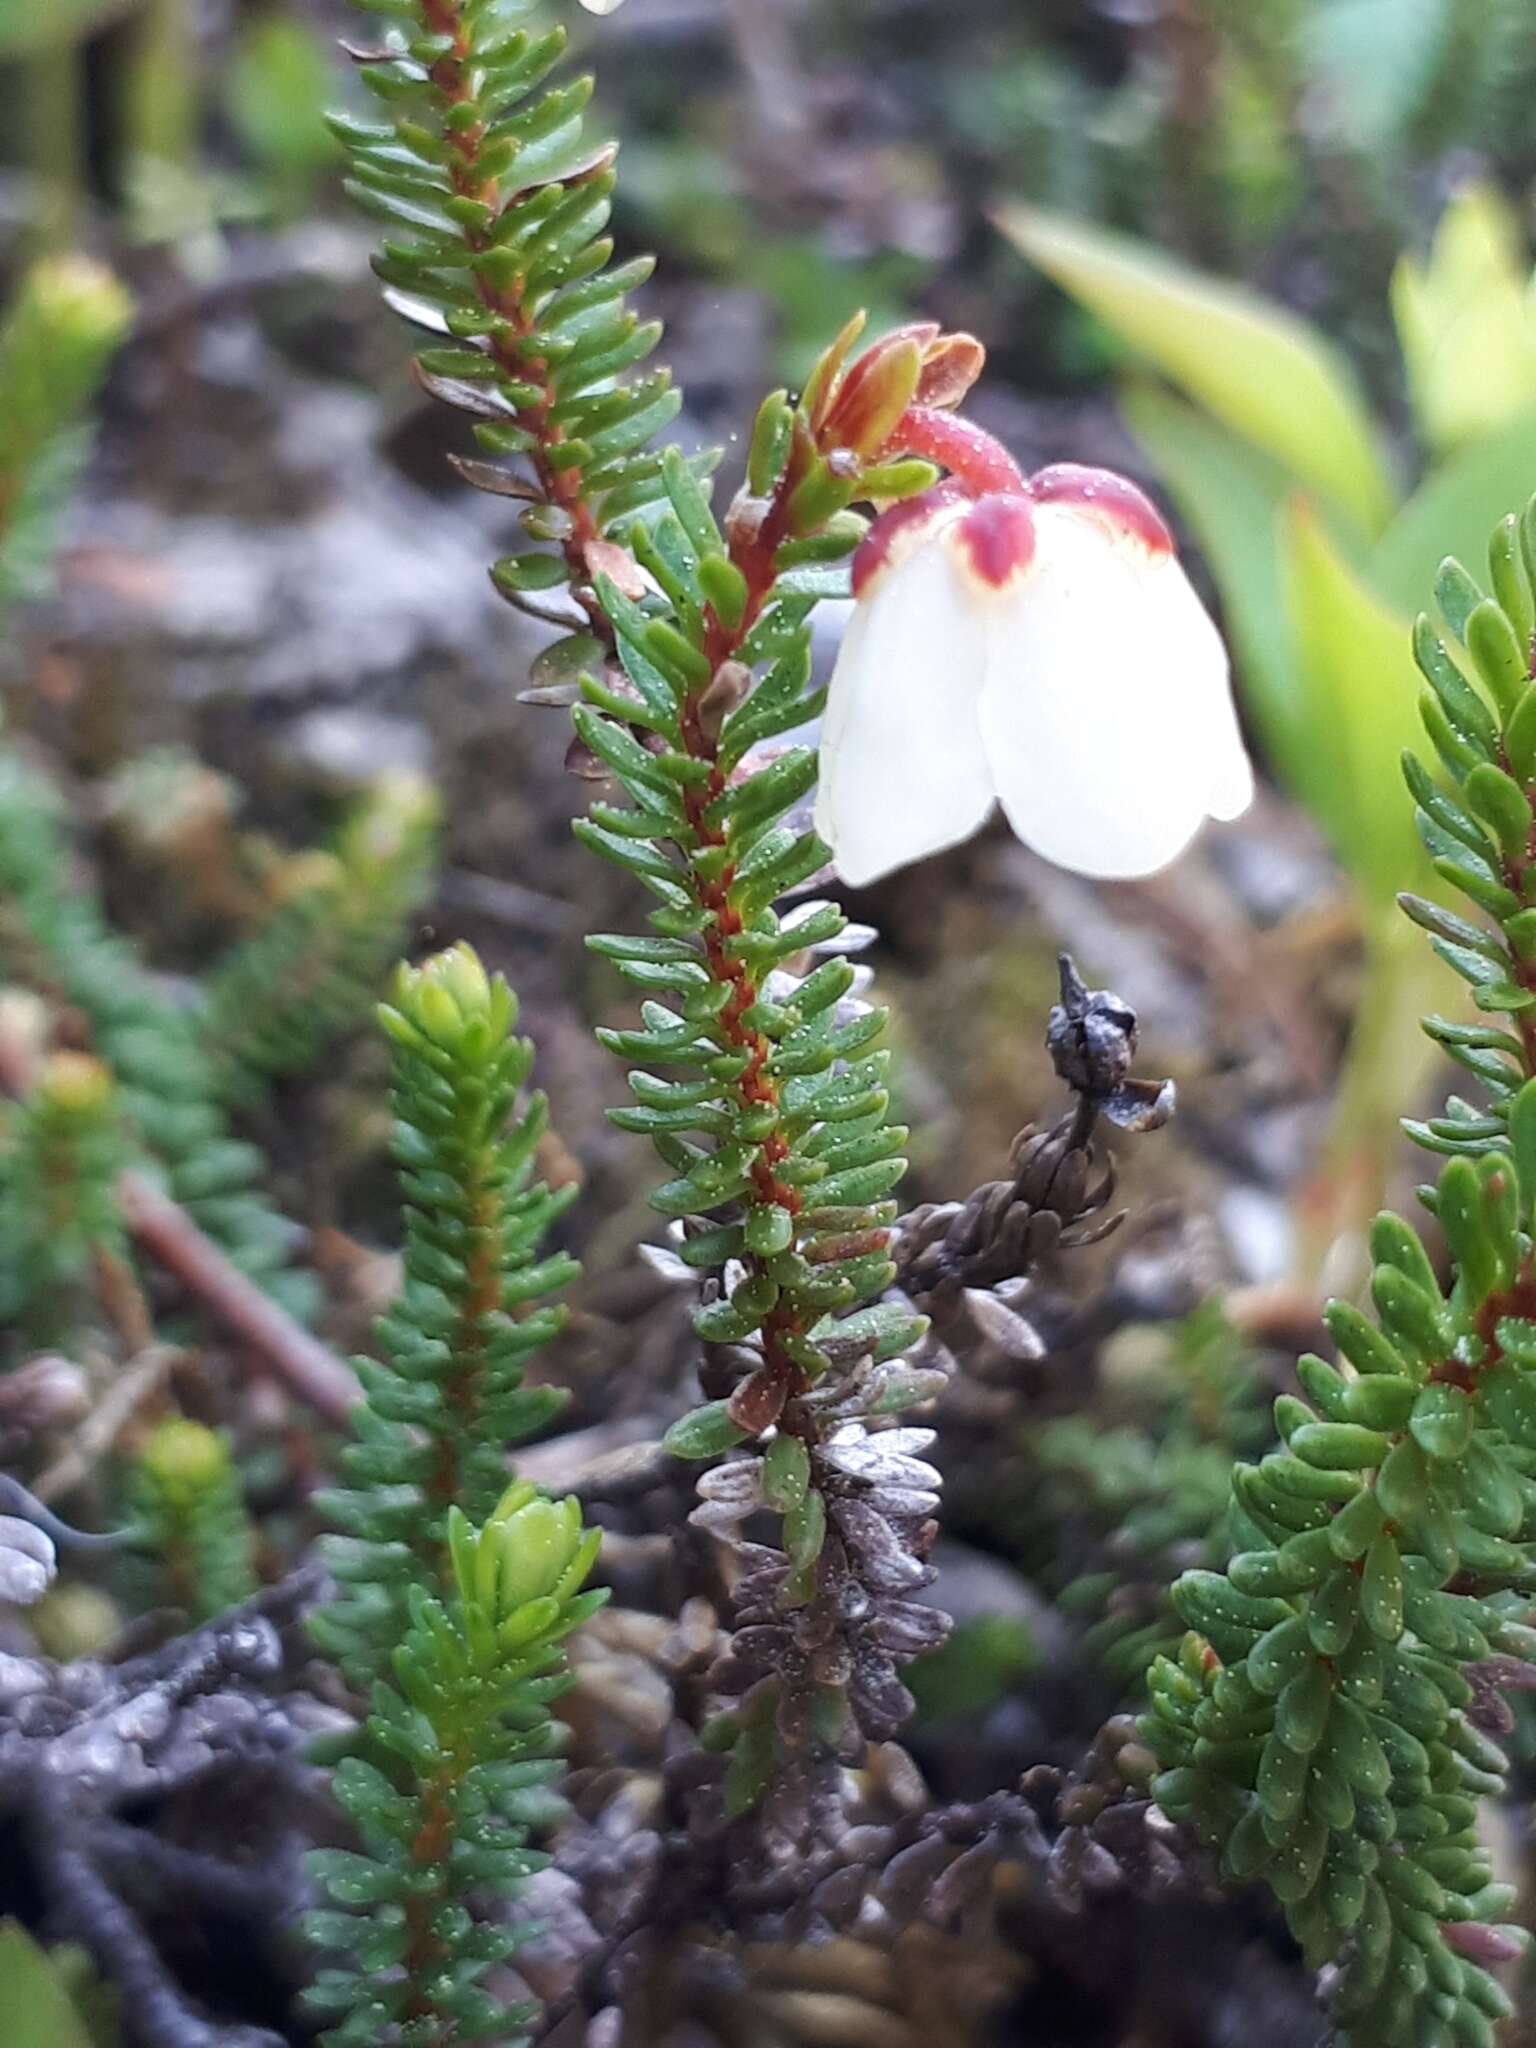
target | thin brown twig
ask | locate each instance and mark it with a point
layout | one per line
(163, 1229)
(139, 1380)
(284, 1347)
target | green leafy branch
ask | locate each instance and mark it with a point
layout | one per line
(1330, 1727)
(455, 1592)
(313, 970)
(446, 1398)
(60, 332)
(459, 1744)
(756, 1074)
(497, 199)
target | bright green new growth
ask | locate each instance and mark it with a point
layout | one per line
(456, 1591)
(186, 1508)
(314, 969)
(61, 1150)
(1329, 1727)
(457, 1746)
(61, 331)
(446, 1399)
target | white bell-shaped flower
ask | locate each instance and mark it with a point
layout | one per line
(1040, 648)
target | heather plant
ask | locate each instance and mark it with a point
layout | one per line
(755, 1070)
(187, 1511)
(446, 1398)
(1331, 1724)
(456, 1589)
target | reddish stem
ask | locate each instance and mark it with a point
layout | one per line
(965, 450)
(561, 487)
(285, 1348)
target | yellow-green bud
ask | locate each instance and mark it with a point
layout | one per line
(74, 1620)
(538, 1543)
(451, 992)
(76, 1085)
(183, 1459)
(80, 301)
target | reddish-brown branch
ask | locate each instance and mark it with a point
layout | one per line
(560, 487)
(281, 1346)
(753, 551)
(429, 1851)
(463, 1389)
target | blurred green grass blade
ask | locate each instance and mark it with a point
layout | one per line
(1464, 321)
(1359, 705)
(1231, 496)
(1453, 512)
(1254, 366)
(38, 2009)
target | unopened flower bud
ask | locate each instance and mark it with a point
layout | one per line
(727, 689)
(873, 396)
(951, 365)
